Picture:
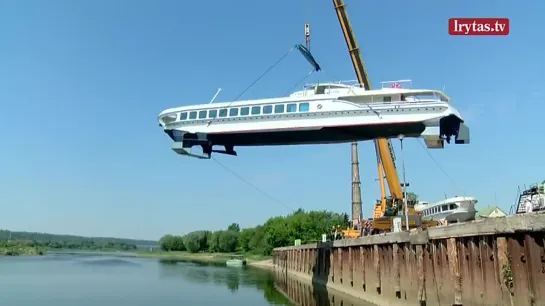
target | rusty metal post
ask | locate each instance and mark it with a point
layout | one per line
(420, 268)
(397, 280)
(362, 267)
(454, 270)
(505, 269)
(351, 266)
(376, 255)
(332, 269)
(340, 263)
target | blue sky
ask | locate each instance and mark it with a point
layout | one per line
(82, 82)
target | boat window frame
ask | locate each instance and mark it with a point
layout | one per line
(258, 108)
(245, 111)
(267, 109)
(192, 115)
(223, 112)
(213, 113)
(303, 107)
(279, 108)
(291, 108)
(235, 113)
(183, 116)
(204, 114)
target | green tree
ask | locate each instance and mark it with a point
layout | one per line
(411, 196)
(244, 239)
(228, 241)
(192, 242)
(275, 232)
(234, 227)
(214, 242)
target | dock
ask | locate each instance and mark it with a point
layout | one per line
(496, 261)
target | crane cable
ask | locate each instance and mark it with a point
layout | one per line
(254, 82)
(264, 73)
(299, 82)
(452, 181)
(252, 185)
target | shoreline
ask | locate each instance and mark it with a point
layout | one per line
(251, 260)
(18, 251)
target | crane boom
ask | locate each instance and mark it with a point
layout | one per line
(383, 147)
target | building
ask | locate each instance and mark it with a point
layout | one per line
(490, 212)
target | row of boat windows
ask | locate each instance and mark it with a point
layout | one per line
(246, 111)
(438, 209)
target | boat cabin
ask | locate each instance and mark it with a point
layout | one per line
(437, 209)
(343, 90)
(391, 91)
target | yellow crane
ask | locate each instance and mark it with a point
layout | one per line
(386, 207)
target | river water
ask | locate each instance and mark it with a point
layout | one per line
(90, 280)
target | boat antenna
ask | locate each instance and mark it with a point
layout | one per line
(215, 96)
(307, 36)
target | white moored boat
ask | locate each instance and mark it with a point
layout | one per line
(452, 210)
(319, 114)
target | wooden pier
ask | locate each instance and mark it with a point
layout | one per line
(497, 261)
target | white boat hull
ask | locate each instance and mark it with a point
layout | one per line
(325, 119)
(453, 210)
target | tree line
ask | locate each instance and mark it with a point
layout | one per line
(262, 239)
(71, 242)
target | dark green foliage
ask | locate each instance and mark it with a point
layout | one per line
(259, 240)
(234, 227)
(172, 243)
(72, 242)
(411, 196)
(228, 241)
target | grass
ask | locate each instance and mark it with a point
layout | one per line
(202, 256)
(19, 250)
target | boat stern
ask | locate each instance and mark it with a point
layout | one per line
(449, 126)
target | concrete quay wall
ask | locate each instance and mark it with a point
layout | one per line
(497, 261)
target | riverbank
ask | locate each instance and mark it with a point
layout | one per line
(251, 259)
(18, 250)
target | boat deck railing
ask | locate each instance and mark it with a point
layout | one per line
(396, 84)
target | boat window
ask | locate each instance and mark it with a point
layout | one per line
(303, 107)
(183, 116)
(453, 206)
(233, 112)
(387, 99)
(267, 109)
(244, 111)
(320, 90)
(212, 113)
(279, 108)
(223, 112)
(291, 108)
(192, 115)
(256, 110)
(444, 207)
(202, 114)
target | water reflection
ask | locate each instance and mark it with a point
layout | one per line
(233, 278)
(303, 293)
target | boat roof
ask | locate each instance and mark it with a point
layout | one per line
(373, 92)
(453, 200)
